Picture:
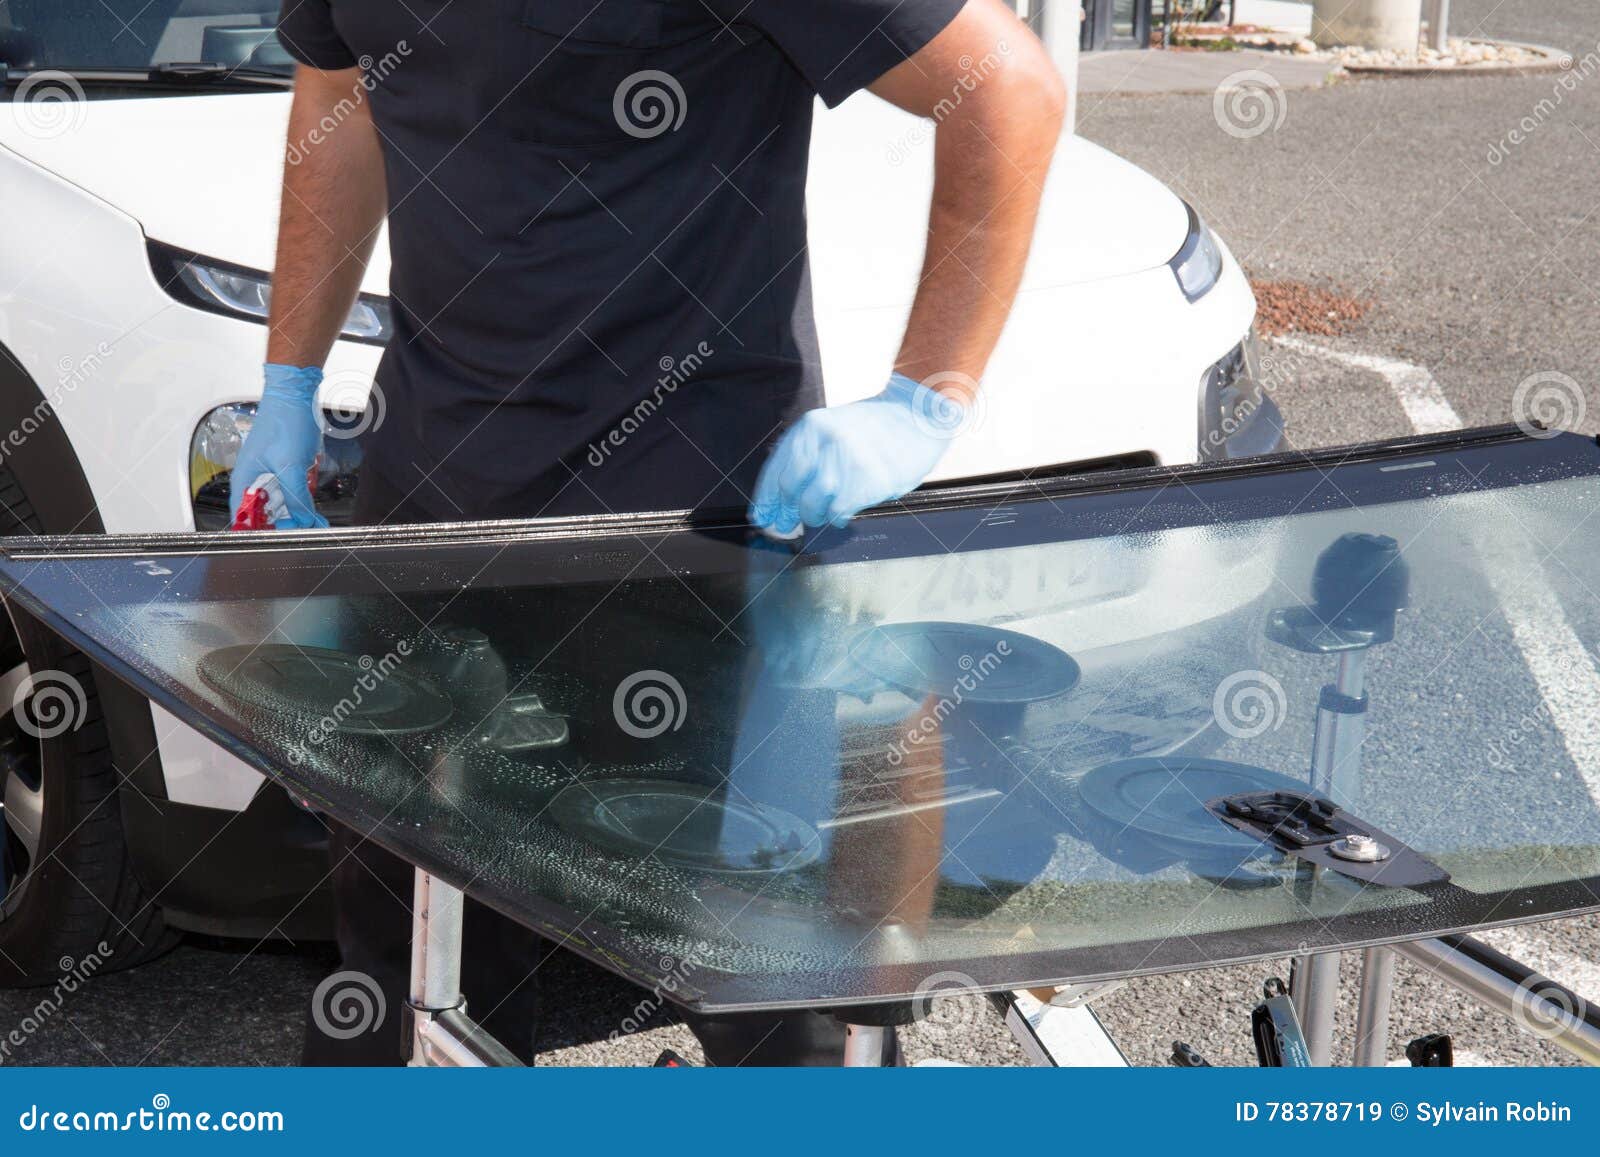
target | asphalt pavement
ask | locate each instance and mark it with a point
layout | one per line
(1478, 254)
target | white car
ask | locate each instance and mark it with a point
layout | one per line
(139, 170)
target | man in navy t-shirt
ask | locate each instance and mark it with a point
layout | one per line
(579, 193)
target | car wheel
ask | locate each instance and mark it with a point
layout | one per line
(68, 895)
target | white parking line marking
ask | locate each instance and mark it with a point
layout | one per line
(1561, 665)
(1424, 403)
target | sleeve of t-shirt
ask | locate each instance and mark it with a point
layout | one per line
(305, 28)
(841, 46)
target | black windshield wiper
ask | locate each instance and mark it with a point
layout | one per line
(170, 73)
(210, 71)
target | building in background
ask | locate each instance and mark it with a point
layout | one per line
(1103, 24)
(1111, 24)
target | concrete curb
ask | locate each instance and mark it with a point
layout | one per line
(1555, 60)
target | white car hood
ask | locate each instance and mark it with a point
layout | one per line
(203, 173)
(872, 177)
(199, 172)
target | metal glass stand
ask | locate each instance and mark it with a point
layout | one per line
(863, 1046)
(1055, 1028)
(1372, 1009)
(1511, 989)
(441, 1034)
(1359, 586)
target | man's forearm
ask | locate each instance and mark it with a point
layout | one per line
(333, 205)
(998, 124)
(989, 173)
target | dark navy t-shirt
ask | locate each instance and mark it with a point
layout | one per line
(597, 230)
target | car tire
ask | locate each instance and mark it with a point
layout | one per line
(72, 901)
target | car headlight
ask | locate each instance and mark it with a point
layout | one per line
(215, 448)
(1198, 265)
(235, 291)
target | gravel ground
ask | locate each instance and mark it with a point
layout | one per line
(1478, 268)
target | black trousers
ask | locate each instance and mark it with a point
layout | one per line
(500, 959)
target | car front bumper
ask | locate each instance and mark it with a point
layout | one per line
(1238, 418)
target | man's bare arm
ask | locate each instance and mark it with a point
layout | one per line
(333, 204)
(1000, 104)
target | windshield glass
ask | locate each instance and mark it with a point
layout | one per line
(973, 738)
(86, 34)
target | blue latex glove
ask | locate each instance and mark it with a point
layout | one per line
(284, 441)
(837, 461)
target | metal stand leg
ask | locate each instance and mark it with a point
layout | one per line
(441, 1033)
(1360, 583)
(1335, 773)
(863, 1046)
(1341, 728)
(1060, 1033)
(1314, 987)
(1511, 989)
(1372, 1012)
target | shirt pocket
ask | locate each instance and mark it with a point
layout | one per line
(591, 72)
